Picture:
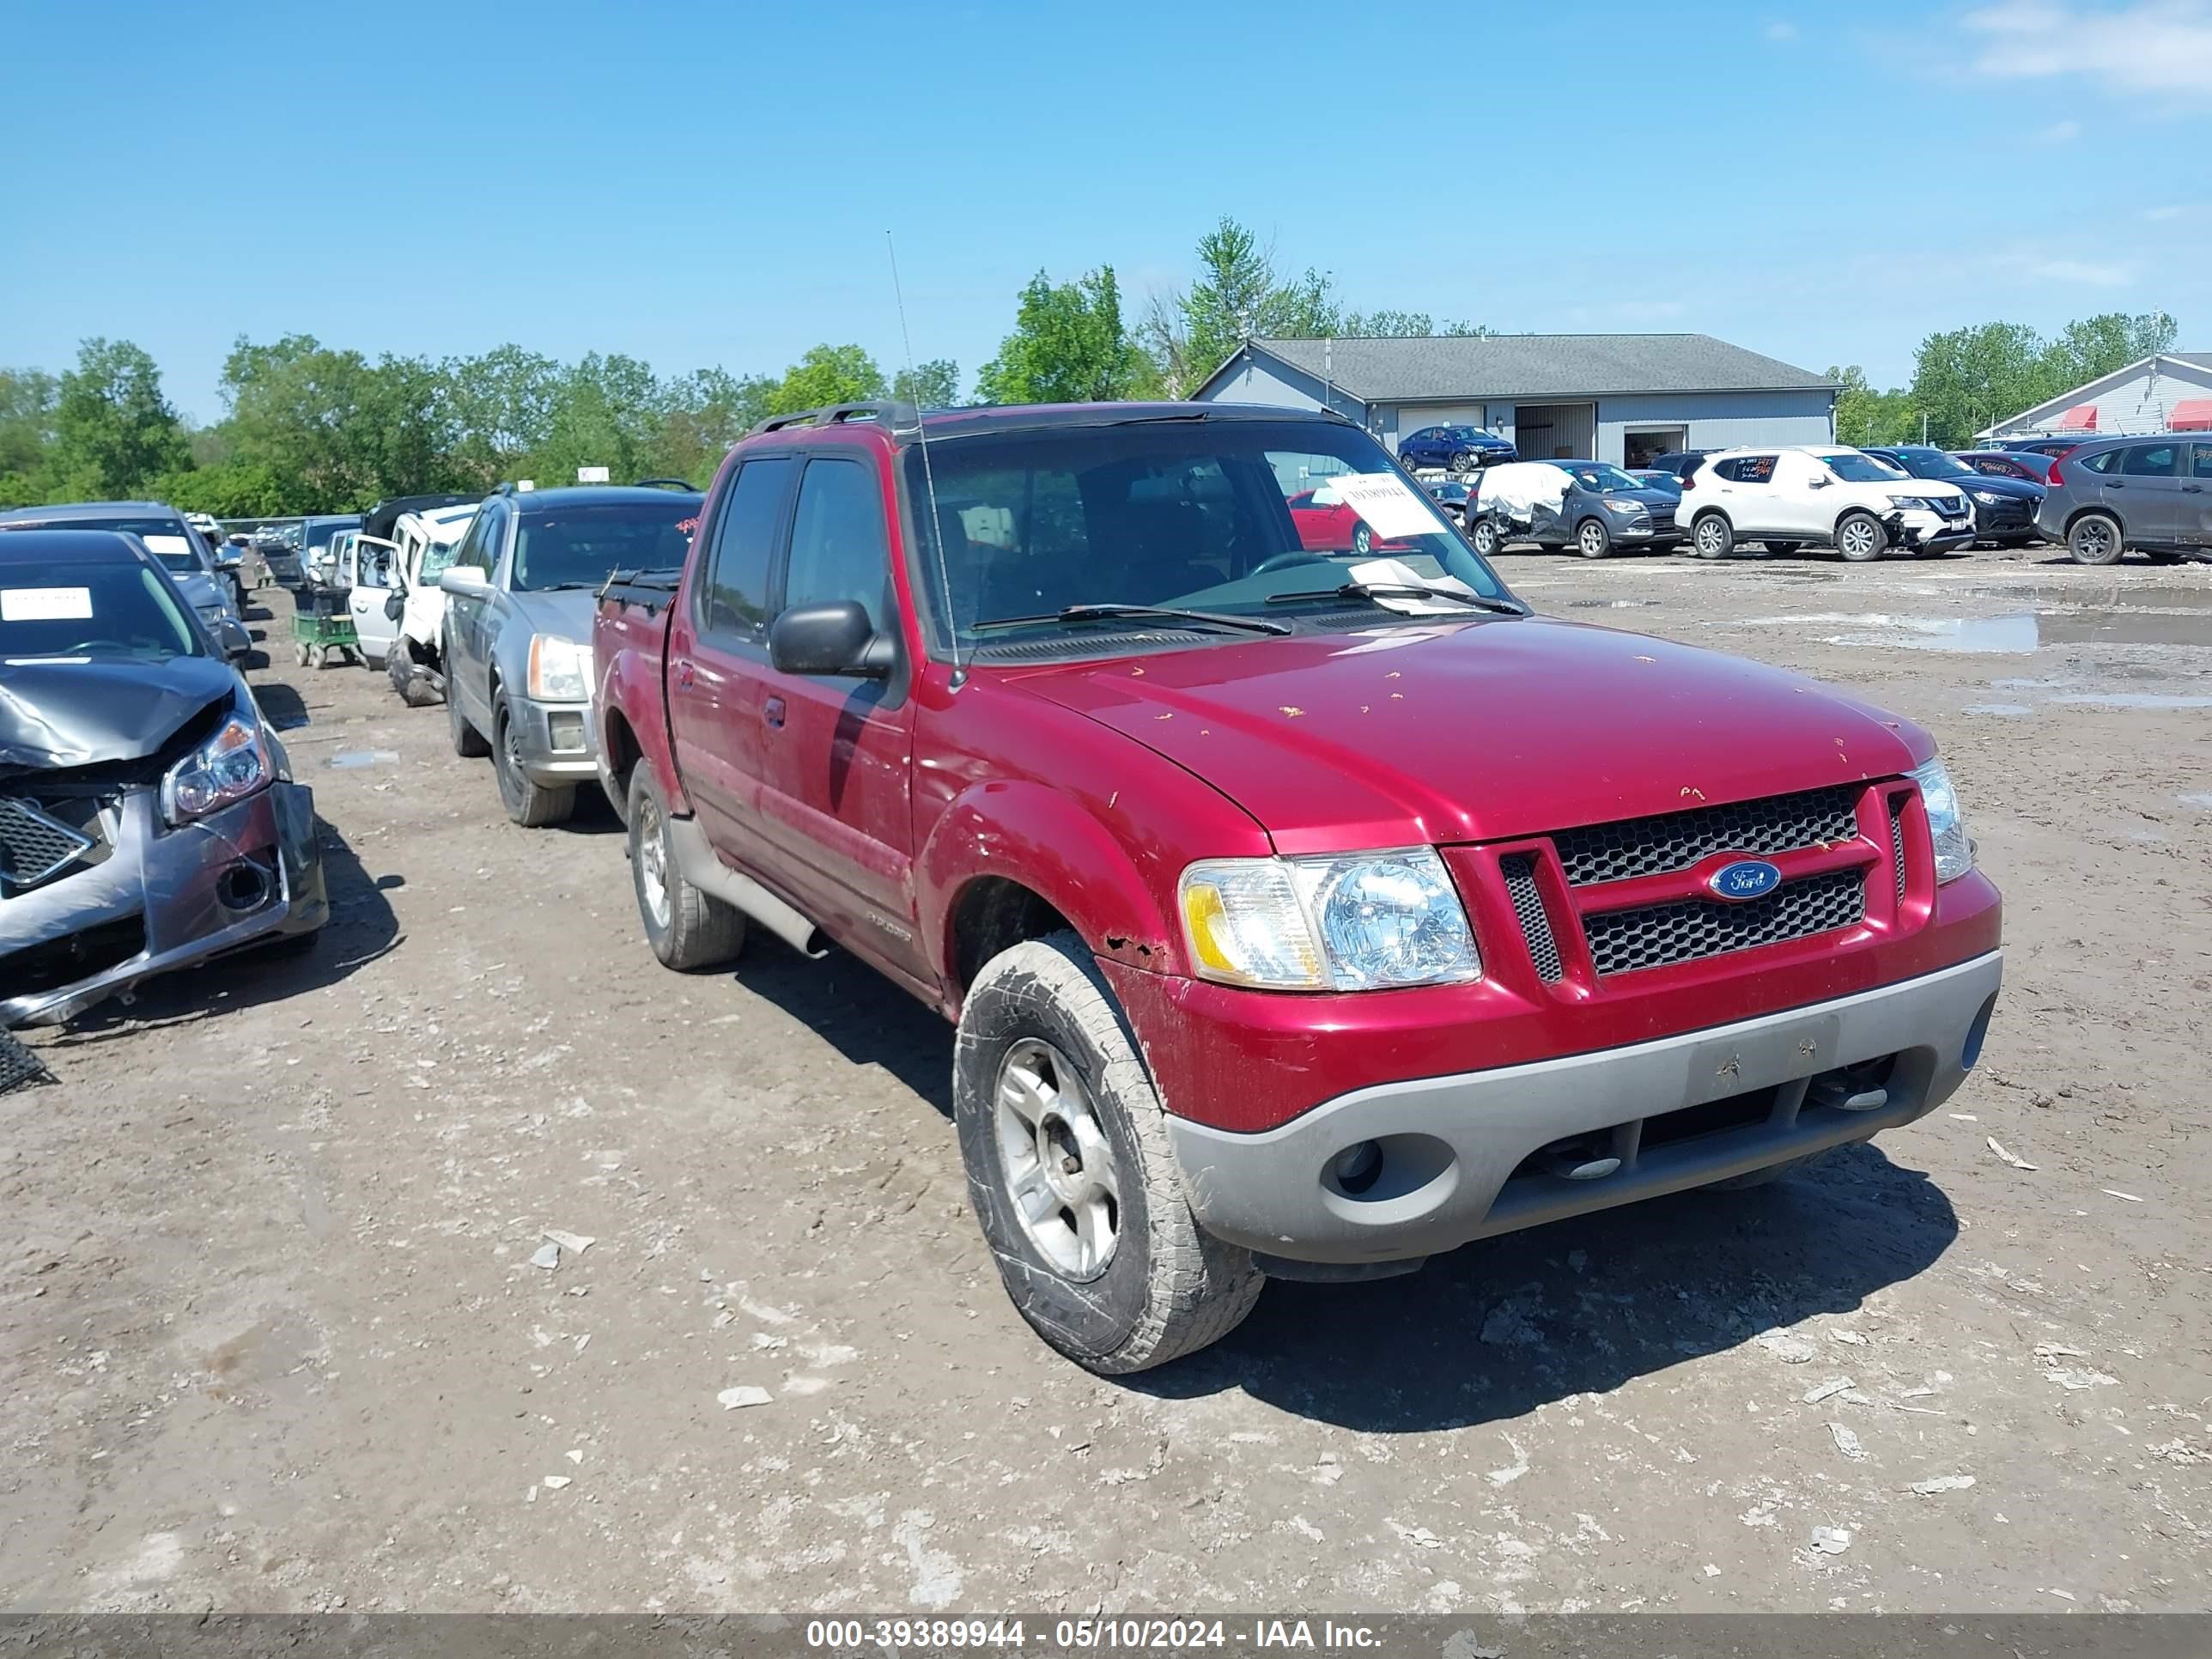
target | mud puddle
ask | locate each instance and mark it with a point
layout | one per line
(2020, 633)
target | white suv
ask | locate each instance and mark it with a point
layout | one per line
(1819, 496)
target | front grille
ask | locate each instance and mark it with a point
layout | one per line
(57, 963)
(1897, 842)
(1675, 841)
(1519, 869)
(1621, 941)
(34, 846)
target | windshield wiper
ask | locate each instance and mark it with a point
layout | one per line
(1379, 591)
(1076, 613)
(558, 587)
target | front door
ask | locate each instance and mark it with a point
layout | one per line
(372, 578)
(839, 805)
(2146, 487)
(718, 658)
(2196, 498)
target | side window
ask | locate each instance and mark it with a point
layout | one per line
(736, 599)
(2153, 461)
(480, 547)
(839, 550)
(2102, 462)
(1426, 435)
(2203, 461)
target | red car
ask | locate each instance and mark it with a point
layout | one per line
(1293, 923)
(1327, 524)
(2027, 465)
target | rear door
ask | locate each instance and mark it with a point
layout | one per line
(718, 656)
(1796, 502)
(838, 804)
(2196, 497)
(2146, 487)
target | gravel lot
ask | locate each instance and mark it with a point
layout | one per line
(270, 1337)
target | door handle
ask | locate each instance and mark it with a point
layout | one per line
(684, 671)
(772, 712)
(2192, 490)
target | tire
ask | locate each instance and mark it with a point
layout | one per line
(533, 806)
(1712, 537)
(299, 654)
(1486, 539)
(2095, 538)
(468, 743)
(1363, 540)
(1592, 539)
(1860, 538)
(1043, 1057)
(1754, 1179)
(1466, 463)
(688, 930)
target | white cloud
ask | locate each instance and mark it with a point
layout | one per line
(2153, 45)
(2059, 132)
(1781, 31)
(2083, 273)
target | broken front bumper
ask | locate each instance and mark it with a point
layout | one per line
(162, 899)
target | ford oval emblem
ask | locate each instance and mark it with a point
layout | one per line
(1747, 878)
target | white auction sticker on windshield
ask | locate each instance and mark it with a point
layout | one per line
(1387, 503)
(45, 605)
(166, 543)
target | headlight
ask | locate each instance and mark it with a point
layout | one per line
(1357, 921)
(1623, 507)
(228, 767)
(1920, 501)
(560, 669)
(1987, 497)
(1955, 853)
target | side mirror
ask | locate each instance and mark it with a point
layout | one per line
(231, 634)
(1818, 483)
(395, 605)
(828, 639)
(464, 579)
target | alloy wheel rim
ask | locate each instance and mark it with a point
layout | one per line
(1057, 1165)
(1593, 541)
(1708, 538)
(652, 864)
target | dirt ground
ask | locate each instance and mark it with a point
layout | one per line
(271, 1338)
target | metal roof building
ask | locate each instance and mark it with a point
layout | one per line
(2169, 392)
(1619, 397)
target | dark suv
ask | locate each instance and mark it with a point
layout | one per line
(1679, 462)
(2153, 494)
(2004, 509)
(1458, 448)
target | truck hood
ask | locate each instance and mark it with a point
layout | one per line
(58, 713)
(1479, 730)
(566, 615)
(2018, 490)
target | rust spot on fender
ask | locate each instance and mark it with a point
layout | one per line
(1293, 711)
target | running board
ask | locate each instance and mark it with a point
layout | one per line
(700, 866)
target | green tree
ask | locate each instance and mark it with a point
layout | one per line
(228, 490)
(1965, 380)
(607, 412)
(28, 398)
(114, 433)
(704, 413)
(333, 430)
(933, 385)
(1405, 325)
(502, 407)
(2095, 346)
(827, 375)
(1239, 296)
(1068, 346)
(1864, 416)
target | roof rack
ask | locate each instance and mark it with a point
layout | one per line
(667, 484)
(888, 412)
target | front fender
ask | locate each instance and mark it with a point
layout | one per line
(1030, 832)
(630, 707)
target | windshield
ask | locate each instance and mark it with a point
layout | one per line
(319, 535)
(1855, 468)
(180, 564)
(113, 609)
(1212, 516)
(1598, 475)
(579, 546)
(1935, 463)
(436, 557)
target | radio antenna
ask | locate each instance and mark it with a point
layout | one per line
(928, 478)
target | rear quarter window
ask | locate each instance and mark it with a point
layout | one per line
(2101, 463)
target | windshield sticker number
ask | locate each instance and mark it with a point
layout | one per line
(24, 605)
(1387, 503)
(166, 543)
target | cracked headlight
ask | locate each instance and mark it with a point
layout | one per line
(1350, 922)
(560, 669)
(1946, 825)
(225, 769)
(1987, 497)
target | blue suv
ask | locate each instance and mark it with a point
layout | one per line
(1458, 448)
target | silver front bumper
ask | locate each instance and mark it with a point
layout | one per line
(1457, 1150)
(544, 761)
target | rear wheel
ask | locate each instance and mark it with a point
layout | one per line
(1484, 538)
(688, 930)
(1071, 1173)
(533, 806)
(1363, 539)
(2095, 538)
(1592, 539)
(1712, 537)
(1860, 538)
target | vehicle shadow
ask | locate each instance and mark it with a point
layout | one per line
(362, 927)
(1504, 1325)
(282, 706)
(850, 1005)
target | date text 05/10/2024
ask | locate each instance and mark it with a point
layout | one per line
(1085, 1635)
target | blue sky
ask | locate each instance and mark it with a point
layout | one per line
(710, 184)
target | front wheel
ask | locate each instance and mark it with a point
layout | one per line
(1592, 539)
(1712, 537)
(1071, 1173)
(533, 806)
(2095, 538)
(1860, 538)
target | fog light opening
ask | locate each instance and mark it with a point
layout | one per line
(1976, 1033)
(1358, 1167)
(242, 886)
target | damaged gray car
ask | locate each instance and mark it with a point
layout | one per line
(147, 817)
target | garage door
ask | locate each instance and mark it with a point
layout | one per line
(1551, 432)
